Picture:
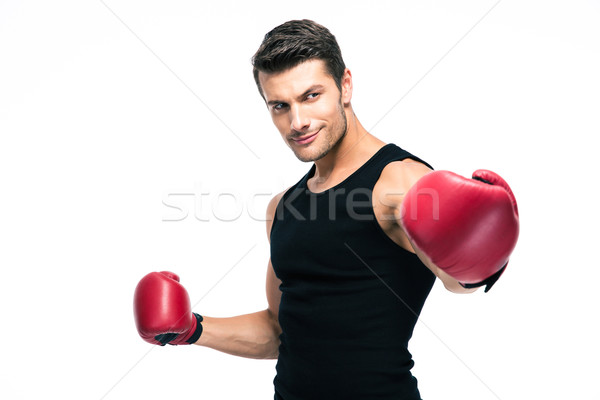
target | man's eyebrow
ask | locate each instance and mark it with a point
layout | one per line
(274, 102)
(311, 89)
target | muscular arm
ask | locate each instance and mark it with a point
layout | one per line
(251, 335)
(468, 227)
(396, 179)
(254, 335)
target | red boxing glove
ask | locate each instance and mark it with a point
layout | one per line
(467, 227)
(162, 311)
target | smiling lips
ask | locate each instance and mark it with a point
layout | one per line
(306, 138)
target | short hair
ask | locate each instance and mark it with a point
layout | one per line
(295, 42)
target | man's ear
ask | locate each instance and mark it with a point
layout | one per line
(346, 87)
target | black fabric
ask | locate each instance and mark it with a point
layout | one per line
(196, 335)
(165, 338)
(350, 295)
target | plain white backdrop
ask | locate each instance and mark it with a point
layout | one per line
(133, 139)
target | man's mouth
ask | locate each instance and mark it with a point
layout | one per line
(306, 138)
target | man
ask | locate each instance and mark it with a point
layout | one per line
(356, 244)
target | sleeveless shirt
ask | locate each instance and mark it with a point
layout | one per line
(350, 296)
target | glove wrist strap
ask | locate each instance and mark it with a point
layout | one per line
(170, 338)
(196, 335)
(488, 282)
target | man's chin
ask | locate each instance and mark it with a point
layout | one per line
(306, 156)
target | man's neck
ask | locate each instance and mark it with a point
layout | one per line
(355, 148)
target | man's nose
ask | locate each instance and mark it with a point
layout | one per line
(300, 121)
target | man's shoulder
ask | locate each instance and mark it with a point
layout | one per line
(396, 179)
(403, 173)
(272, 209)
(272, 206)
(394, 182)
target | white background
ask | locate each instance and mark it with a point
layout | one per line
(110, 110)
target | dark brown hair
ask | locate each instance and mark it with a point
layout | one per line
(295, 42)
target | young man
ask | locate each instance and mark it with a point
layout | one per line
(356, 244)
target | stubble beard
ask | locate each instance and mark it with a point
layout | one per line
(334, 137)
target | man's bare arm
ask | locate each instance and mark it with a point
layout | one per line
(465, 227)
(253, 335)
(395, 181)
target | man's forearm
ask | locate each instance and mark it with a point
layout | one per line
(253, 335)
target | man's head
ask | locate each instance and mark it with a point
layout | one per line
(301, 76)
(295, 42)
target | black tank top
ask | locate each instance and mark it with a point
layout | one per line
(350, 296)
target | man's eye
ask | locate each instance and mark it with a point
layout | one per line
(312, 96)
(278, 107)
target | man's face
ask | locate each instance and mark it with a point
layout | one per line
(306, 107)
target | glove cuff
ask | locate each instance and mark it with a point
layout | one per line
(196, 335)
(175, 339)
(488, 282)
